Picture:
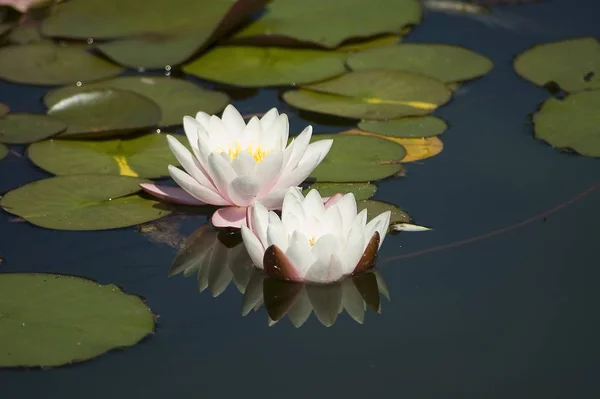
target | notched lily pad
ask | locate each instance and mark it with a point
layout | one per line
(375, 208)
(376, 95)
(417, 126)
(28, 128)
(444, 62)
(329, 23)
(176, 97)
(49, 320)
(572, 64)
(146, 156)
(358, 159)
(49, 64)
(105, 112)
(83, 202)
(361, 191)
(572, 123)
(248, 66)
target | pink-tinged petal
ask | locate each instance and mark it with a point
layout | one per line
(189, 163)
(298, 175)
(268, 118)
(253, 246)
(369, 256)
(267, 172)
(233, 119)
(222, 173)
(325, 271)
(379, 224)
(326, 301)
(194, 188)
(243, 191)
(278, 265)
(173, 195)
(230, 216)
(273, 200)
(330, 201)
(301, 310)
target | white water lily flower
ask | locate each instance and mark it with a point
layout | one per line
(313, 241)
(234, 164)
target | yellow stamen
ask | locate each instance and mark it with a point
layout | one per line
(258, 153)
(312, 241)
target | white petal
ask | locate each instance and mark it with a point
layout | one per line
(274, 199)
(268, 118)
(321, 147)
(194, 188)
(332, 222)
(218, 132)
(326, 301)
(354, 249)
(252, 133)
(276, 135)
(379, 224)
(243, 190)
(204, 119)
(325, 271)
(276, 235)
(253, 246)
(292, 207)
(347, 207)
(325, 246)
(191, 127)
(353, 301)
(298, 149)
(189, 163)
(260, 222)
(267, 171)
(244, 164)
(221, 172)
(298, 175)
(313, 204)
(233, 120)
(299, 252)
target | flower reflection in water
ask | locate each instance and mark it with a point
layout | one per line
(218, 258)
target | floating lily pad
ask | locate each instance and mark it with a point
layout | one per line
(361, 191)
(417, 148)
(146, 156)
(266, 66)
(154, 51)
(417, 126)
(5, 28)
(329, 23)
(3, 151)
(377, 95)
(383, 40)
(4, 109)
(572, 123)
(105, 112)
(25, 34)
(176, 97)
(51, 320)
(49, 64)
(109, 19)
(83, 202)
(440, 61)
(573, 64)
(27, 128)
(375, 208)
(358, 159)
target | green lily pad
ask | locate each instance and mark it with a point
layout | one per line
(329, 23)
(416, 126)
(379, 41)
(572, 123)
(375, 208)
(361, 191)
(49, 320)
(266, 66)
(444, 62)
(25, 34)
(573, 64)
(377, 95)
(4, 109)
(83, 202)
(145, 156)
(49, 64)
(105, 112)
(154, 51)
(176, 97)
(358, 159)
(27, 128)
(4, 28)
(3, 151)
(109, 19)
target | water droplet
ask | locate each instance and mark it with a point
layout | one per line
(90, 41)
(141, 69)
(167, 67)
(78, 343)
(110, 199)
(293, 84)
(158, 131)
(23, 324)
(79, 83)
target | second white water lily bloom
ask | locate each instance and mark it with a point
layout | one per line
(234, 164)
(313, 241)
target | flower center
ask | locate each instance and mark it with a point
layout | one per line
(312, 241)
(258, 152)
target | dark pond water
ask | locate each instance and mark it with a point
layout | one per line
(509, 315)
